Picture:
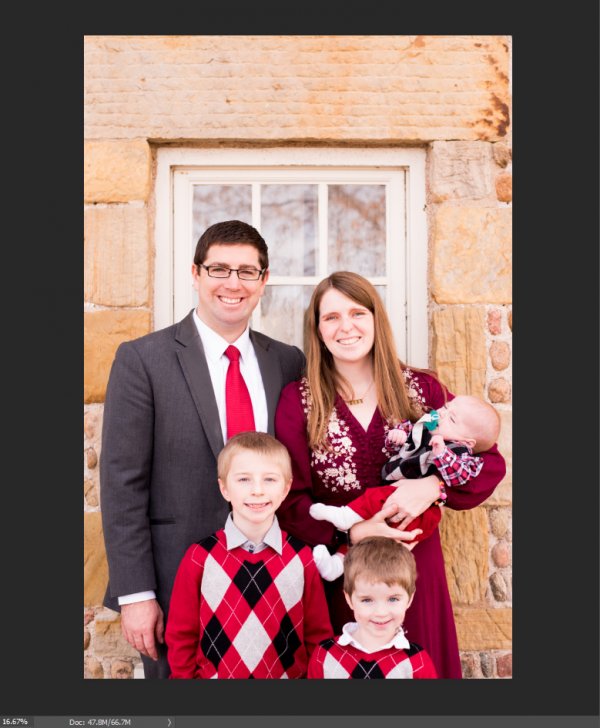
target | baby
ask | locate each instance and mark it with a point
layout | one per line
(440, 442)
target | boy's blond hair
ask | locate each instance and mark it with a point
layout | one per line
(484, 423)
(377, 558)
(258, 442)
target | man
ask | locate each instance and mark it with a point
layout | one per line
(173, 399)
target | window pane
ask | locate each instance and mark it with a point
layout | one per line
(218, 203)
(282, 313)
(290, 227)
(382, 291)
(356, 225)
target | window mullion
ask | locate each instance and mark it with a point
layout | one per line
(257, 313)
(256, 205)
(322, 271)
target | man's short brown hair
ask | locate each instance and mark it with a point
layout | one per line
(232, 232)
(377, 558)
(258, 442)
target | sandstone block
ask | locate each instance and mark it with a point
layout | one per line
(504, 187)
(121, 670)
(500, 355)
(504, 665)
(95, 567)
(93, 669)
(499, 391)
(501, 554)
(494, 322)
(116, 256)
(483, 629)
(502, 495)
(498, 586)
(91, 458)
(487, 664)
(421, 88)
(459, 352)
(464, 539)
(501, 154)
(110, 642)
(509, 317)
(86, 640)
(116, 171)
(499, 520)
(90, 492)
(472, 255)
(460, 170)
(103, 332)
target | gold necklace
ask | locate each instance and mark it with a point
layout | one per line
(359, 401)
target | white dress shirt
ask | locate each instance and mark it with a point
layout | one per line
(399, 641)
(235, 537)
(214, 349)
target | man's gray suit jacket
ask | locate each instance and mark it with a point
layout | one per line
(160, 441)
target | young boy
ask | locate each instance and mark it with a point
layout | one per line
(248, 601)
(379, 585)
(440, 442)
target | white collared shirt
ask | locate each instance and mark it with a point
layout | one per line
(235, 537)
(399, 641)
(214, 349)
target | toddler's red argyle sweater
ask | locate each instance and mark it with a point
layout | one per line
(236, 614)
(345, 662)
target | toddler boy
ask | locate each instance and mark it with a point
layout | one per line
(441, 442)
(248, 601)
(379, 585)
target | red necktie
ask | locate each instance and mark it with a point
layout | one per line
(240, 417)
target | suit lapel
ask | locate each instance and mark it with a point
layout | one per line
(270, 371)
(195, 369)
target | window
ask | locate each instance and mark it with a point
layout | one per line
(319, 210)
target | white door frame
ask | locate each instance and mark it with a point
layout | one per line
(276, 161)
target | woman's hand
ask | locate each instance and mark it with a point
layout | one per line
(413, 497)
(376, 526)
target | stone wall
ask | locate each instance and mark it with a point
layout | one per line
(452, 93)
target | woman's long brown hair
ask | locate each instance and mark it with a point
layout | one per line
(323, 378)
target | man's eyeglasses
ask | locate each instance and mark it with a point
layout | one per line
(244, 274)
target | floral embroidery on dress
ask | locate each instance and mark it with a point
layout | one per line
(336, 475)
(389, 425)
(414, 390)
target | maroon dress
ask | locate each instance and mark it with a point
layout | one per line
(338, 478)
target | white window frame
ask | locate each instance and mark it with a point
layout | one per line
(402, 170)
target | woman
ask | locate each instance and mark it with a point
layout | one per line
(334, 423)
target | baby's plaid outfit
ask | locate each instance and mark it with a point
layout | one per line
(456, 464)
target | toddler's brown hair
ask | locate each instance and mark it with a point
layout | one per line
(377, 558)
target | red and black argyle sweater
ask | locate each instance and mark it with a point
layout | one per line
(345, 662)
(236, 614)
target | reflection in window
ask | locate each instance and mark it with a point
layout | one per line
(356, 229)
(283, 313)
(290, 227)
(382, 292)
(219, 203)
